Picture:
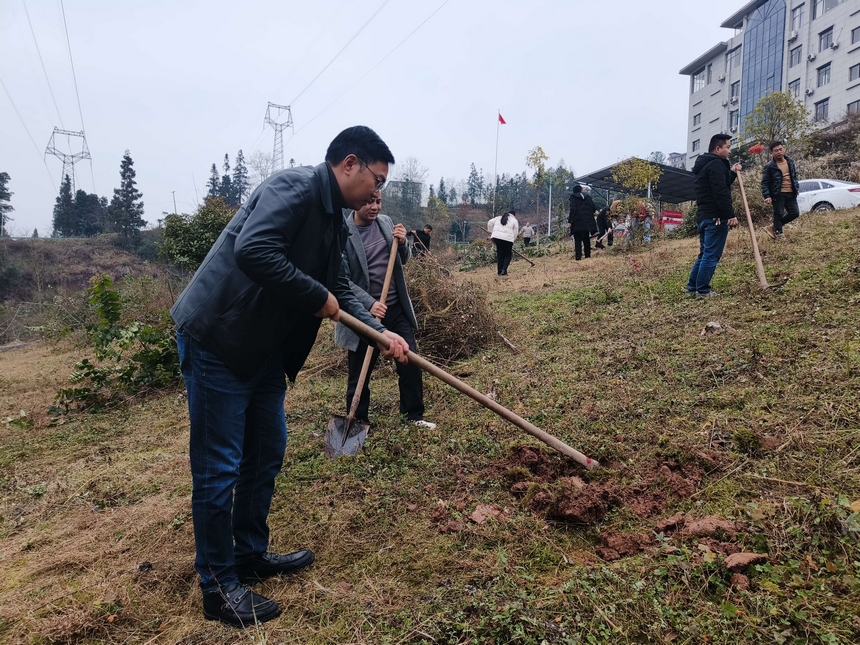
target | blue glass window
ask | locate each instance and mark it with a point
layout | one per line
(763, 54)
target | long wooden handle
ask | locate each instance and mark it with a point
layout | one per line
(362, 377)
(758, 264)
(360, 328)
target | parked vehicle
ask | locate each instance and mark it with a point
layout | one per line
(821, 195)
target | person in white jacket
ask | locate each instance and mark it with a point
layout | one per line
(503, 231)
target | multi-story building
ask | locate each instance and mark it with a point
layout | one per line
(677, 160)
(808, 47)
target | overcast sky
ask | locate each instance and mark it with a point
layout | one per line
(180, 83)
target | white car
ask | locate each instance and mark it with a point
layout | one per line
(827, 194)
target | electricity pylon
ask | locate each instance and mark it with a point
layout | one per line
(279, 123)
(69, 160)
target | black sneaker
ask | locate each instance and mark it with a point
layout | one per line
(238, 606)
(257, 568)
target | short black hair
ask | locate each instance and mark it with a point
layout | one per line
(577, 188)
(360, 141)
(428, 226)
(718, 140)
(774, 144)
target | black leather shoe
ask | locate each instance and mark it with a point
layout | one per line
(257, 568)
(237, 605)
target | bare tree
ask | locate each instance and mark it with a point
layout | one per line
(261, 165)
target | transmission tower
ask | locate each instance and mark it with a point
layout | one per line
(280, 118)
(69, 160)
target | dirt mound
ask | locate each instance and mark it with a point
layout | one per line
(547, 487)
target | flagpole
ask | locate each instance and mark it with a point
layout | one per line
(496, 166)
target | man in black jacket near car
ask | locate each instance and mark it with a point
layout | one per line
(248, 317)
(779, 187)
(714, 214)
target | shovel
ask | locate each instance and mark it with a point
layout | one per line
(360, 328)
(344, 436)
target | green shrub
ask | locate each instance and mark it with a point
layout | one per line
(188, 238)
(131, 358)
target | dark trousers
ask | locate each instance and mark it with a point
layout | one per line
(238, 438)
(582, 241)
(785, 210)
(504, 251)
(601, 231)
(408, 375)
(527, 241)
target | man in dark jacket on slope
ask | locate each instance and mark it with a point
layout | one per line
(248, 317)
(779, 187)
(581, 221)
(713, 185)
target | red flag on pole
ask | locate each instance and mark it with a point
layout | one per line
(502, 120)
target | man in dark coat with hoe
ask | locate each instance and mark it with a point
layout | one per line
(248, 317)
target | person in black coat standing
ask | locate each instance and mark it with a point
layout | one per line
(581, 221)
(713, 186)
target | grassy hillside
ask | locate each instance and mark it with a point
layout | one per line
(741, 439)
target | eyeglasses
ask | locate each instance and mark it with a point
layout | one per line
(380, 180)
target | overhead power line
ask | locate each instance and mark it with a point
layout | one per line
(349, 42)
(27, 130)
(351, 87)
(77, 94)
(44, 71)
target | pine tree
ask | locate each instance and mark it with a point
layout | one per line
(125, 212)
(64, 210)
(214, 183)
(90, 215)
(228, 192)
(241, 182)
(443, 194)
(5, 206)
(474, 186)
(432, 192)
(35, 233)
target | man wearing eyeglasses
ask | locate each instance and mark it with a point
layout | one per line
(250, 316)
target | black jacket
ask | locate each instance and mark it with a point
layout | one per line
(254, 294)
(771, 179)
(581, 218)
(713, 186)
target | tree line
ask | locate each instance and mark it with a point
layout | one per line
(84, 214)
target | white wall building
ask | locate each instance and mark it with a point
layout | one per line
(808, 47)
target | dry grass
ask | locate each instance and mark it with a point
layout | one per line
(762, 421)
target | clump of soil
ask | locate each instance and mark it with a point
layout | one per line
(584, 505)
(617, 545)
(536, 461)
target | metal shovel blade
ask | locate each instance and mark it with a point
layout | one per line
(344, 438)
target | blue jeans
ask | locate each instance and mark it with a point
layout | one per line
(712, 241)
(238, 438)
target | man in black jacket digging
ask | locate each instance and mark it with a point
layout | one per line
(714, 215)
(248, 317)
(779, 187)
